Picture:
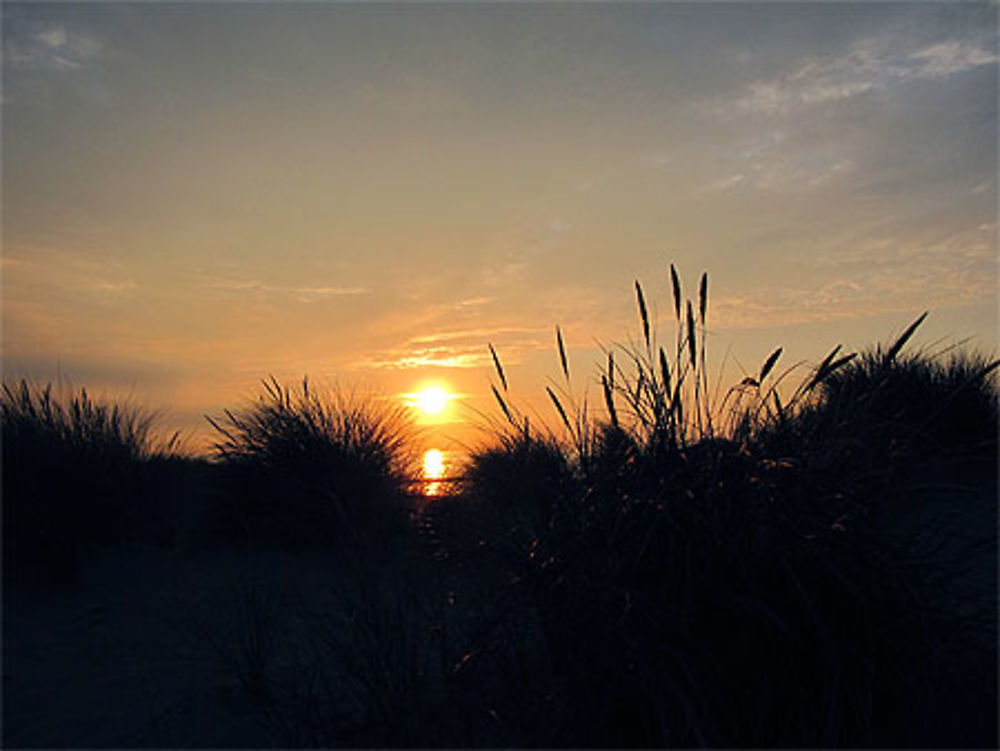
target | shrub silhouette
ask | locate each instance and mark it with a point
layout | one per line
(305, 468)
(72, 477)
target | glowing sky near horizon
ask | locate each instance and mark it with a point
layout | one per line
(197, 195)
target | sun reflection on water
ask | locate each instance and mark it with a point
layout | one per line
(433, 472)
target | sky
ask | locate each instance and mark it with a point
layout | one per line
(199, 195)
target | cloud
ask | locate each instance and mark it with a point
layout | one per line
(984, 186)
(947, 58)
(67, 272)
(869, 65)
(462, 348)
(474, 302)
(312, 294)
(477, 336)
(109, 286)
(428, 359)
(880, 274)
(775, 161)
(303, 294)
(786, 172)
(976, 245)
(52, 47)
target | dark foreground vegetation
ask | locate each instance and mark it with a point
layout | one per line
(671, 567)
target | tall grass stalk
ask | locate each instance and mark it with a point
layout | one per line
(731, 569)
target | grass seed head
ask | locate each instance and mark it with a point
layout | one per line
(562, 353)
(675, 283)
(643, 315)
(692, 343)
(703, 297)
(769, 364)
(904, 338)
(499, 367)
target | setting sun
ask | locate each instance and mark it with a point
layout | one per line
(431, 400)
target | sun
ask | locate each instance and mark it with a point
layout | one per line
(431, 400)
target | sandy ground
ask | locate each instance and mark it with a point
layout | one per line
(124, 659)
(145, 650)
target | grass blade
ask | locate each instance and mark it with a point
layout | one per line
(665, 372)
(503, 406)
(903, 338)
(559, 407)
(825, 368)
(609, 401)
(499, 367)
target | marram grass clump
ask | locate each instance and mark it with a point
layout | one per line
(73, 477)
(723, 571)
(308, 467)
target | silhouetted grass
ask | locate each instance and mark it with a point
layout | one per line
(307, 468)
(776, 564)
(739, 573)
(72, 477)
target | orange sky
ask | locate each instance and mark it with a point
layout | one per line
(199, 195)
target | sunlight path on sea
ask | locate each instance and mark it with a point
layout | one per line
(433, 472)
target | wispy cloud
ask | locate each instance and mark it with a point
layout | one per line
(473, 302)
(869, 65)
(946, 58)
(110, 286)
(68, 272)
(974, 245)
(879, 275)
(428, 359)
(304, 294)
(782, 158)
(312, 294)
(479, 335)
(465, 348)
(53, 47)
(779, 171)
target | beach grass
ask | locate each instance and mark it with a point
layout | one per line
(806, 557)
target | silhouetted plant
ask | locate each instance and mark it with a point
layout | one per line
(307, 467)
(73, 476)
(713, 573)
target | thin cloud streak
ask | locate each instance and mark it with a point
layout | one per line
(872, 64)
(458, 349)
(51, 47)
(304, 294)
(65, 272)
(480, 334)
